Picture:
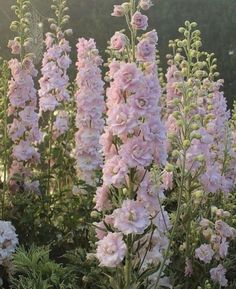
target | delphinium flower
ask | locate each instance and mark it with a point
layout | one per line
(134, 140)
(8, 241)
(200, 149)
(54, 97)
(23, 130)
(90, 108)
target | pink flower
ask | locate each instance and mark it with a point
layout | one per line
(146, 51)
(151, 36)
(28, 116)
(121, 120)
(139, 21)
(102, 199)
(114, 171)
(111, 250)
(131, 218)
(218, 275)
(118, 41)
(61, 124)
(211, 180)
(118, 11)
(114, 66)
(223, 249)
(128, 76)
(224, 229)
(48, 103)
(188, 271)
(167, 179)
(15, 46)
(23, 151)
(16, 129)
(204, 253)
(145, 4)
(136, 152)
(100, 230)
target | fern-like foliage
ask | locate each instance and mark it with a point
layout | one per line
(33, 269)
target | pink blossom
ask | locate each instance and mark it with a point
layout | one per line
(146, 51)
(188, 271)
(136, 153)
(114, 171)
(118, 41)
(111, 250)
(121, 120)
(139, 21)
(145, 4)
(118, 11)
(102, 199)
(224, 229)
(218, 275)
(15, 46)
(100, 230)
(151, 36)
(61, 124)
(131, 218)
(223, 249)
(204, 253)
(167, 179)
(128, 76)
(23, 151)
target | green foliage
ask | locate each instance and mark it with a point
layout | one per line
(33, 269)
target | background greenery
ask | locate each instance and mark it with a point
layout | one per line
(91, 18)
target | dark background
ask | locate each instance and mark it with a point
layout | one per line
(91, 18)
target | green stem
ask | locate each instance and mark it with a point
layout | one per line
(49, 153)
(175, 223)
(5, 144)
(128, 263)
(133, 31)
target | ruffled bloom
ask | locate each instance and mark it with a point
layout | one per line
(131, 218)
(139, 21)
(118, 41)
(218, 275)
(111, 250)
(204, 253)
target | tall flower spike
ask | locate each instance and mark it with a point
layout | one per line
(90, 109)
(23, 130)
(54, 95)
(134, 140)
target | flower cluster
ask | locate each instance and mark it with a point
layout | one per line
(23, 130)
(8, 241)
(200, 150)
(133, 141)
(53, 91)
(90, 108)
(218, 236)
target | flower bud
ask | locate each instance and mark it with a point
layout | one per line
(186, 143)
(94, 214)
(175, 153)
(169, 168)
(200, 158)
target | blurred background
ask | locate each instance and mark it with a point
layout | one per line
(92, 18)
